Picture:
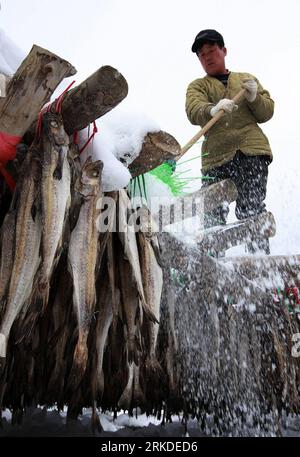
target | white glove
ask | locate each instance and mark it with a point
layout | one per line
(225, 104)
(251, 89)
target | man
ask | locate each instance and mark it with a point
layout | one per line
(235, 147)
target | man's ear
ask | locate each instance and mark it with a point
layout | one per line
(225, 51)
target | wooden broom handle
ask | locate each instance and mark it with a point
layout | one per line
(209, 124)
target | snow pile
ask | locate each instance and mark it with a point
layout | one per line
(11, 56)
(140, 420)
(188, 230)
(118, 142)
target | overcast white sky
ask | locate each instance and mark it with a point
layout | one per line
(149, 43)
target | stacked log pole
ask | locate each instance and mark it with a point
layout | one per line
(30, 88)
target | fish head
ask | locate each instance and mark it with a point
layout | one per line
(53, 127)
(90, 180)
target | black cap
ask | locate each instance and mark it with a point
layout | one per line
(207, 36)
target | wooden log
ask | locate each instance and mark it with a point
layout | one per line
(157, 147)
(272, 271)
(220, 238)
(30, 88)
(94, 97)
(88, 101)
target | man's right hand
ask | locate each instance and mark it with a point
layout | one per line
(225, 104)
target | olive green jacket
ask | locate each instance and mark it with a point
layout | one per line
(237, 130)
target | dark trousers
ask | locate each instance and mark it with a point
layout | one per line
(250, 175)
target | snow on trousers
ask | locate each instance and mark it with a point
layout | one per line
(250, 175)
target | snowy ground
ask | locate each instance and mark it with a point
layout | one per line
(40, 422)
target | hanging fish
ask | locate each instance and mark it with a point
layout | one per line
(7, 254)
(152, 277)
(82, 255)
(26, 249)
(55, 196)
(127, 236)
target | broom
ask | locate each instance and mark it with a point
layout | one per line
(166, 173)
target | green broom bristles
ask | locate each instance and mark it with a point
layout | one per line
(166, 174)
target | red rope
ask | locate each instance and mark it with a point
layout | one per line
(59, 99)
(58, 105)
(95, 130)
(38, 130)
(75, 137)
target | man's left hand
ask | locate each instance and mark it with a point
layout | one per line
(251, 89)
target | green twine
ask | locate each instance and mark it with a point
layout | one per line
(138, 181)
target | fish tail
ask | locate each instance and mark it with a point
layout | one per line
(157, 386)
(95, 420)
(39, 299)
(133, 347)
(100, 385)
(2, 305)
(138, 397)
(28, 326)
(33, 315)
(3, 345)
(56, 382)
(80, 359)
(153, 368)
(150, 315)
(125, 399)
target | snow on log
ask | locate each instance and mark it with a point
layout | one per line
(233, 284)
(274, 271)
(216, 194)
(220, 238)
(30, 88)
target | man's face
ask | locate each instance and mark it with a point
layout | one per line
(212, 58)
